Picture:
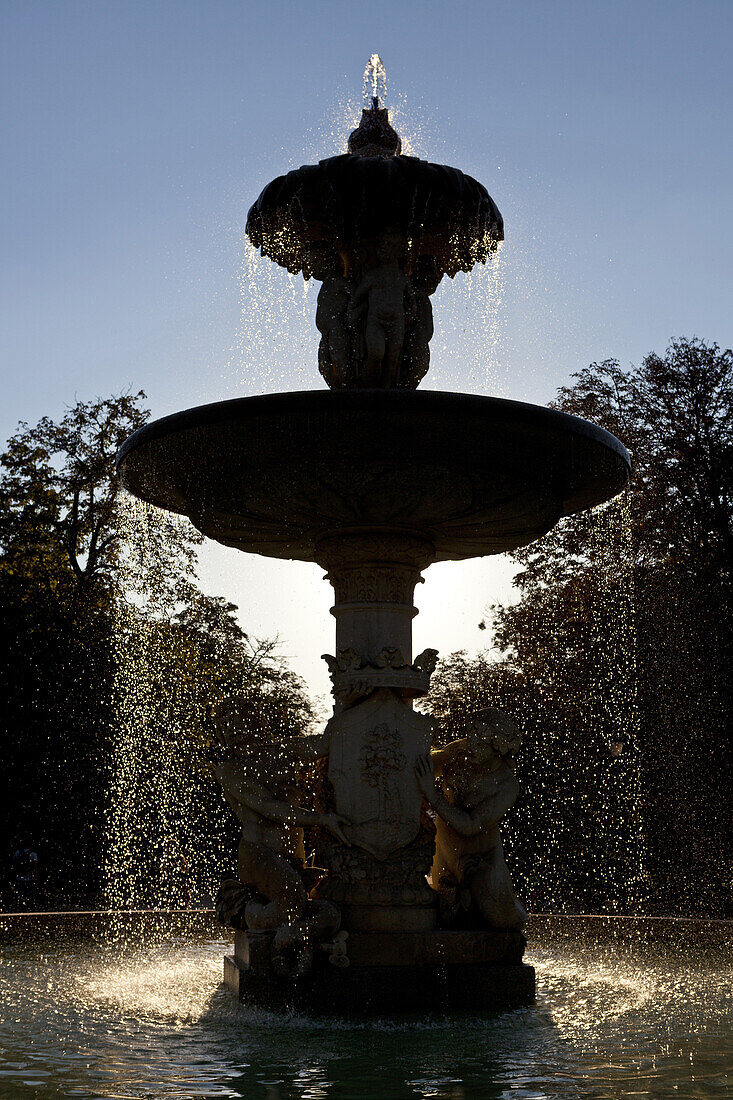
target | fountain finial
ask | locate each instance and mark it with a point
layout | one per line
(374, 136)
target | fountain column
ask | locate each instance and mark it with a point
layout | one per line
(375, 737)
(374, 573)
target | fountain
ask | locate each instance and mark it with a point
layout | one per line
(375, 481)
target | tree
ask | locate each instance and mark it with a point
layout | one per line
(112, 658)
(616, 657)
(675, 415)
(64, 521)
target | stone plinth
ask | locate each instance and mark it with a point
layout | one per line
(399, 972)
(393, 917)
(438, 948)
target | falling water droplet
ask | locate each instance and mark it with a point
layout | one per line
(158, 855)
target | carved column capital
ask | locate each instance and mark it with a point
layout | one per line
(374, 573)
(374, 566)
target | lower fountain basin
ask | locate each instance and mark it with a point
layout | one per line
(277, 473)
(617, 1011)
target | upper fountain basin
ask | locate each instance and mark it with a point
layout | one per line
(275, 474)
(338, 204)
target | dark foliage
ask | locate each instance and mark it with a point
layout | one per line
(617, 657)
(82, 591)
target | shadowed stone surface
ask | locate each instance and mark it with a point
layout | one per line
(339, 202)
(390, 972)
(388, 990)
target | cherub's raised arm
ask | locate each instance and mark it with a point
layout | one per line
(240, 790)
(488, 812)
(441, 757)
(309, 748)
(466, 822)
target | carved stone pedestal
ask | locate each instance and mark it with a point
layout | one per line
(375, 737)
(392, 973)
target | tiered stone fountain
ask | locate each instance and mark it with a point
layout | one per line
(374, 481)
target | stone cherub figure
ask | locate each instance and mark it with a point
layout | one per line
(258, 780)
(416, 350)
(332, 320)
(382, 300)
(476, 774)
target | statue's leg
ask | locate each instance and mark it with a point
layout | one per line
(277, 880)
(322, 919)
(375, 348)
(493, 893)
(392, 355)
(339, 351)
(420, 364)
(324, 361)
(293, 945)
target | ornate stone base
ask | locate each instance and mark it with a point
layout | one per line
(388, 919)
(392, 973)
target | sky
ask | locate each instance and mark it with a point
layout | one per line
(137, 133)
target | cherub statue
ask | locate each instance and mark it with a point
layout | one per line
(477, 777)
(258, 781)
(416, 351)
(382, 299)
(426, 661)
(332, 320)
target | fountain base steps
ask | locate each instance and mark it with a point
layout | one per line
(389, 972)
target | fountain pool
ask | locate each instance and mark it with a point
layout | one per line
(157, 1022)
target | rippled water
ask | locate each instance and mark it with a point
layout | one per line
(159, 1024)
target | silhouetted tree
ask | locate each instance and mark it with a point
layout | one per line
(617, 656)
(88, 580)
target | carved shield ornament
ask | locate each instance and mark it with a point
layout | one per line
(372, 752)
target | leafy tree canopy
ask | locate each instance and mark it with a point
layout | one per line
(616, 658)
(62, 524)
(111, 659)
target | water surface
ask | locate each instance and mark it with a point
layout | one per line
(158, 1024)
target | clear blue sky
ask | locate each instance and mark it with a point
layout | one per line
(136, 133)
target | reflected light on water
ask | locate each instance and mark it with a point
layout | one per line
(158, 1023)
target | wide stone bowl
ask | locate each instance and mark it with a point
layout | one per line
(276, 474)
